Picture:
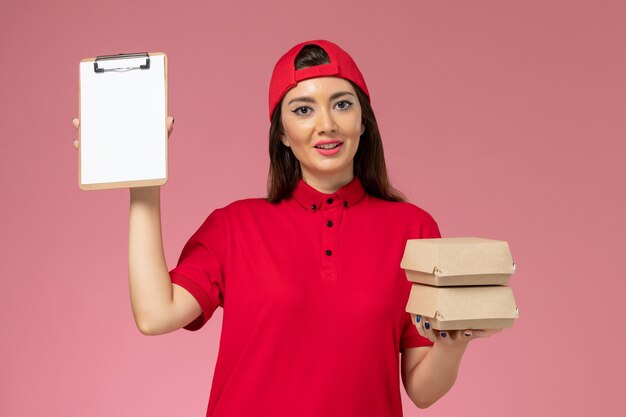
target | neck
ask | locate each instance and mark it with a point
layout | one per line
(327, 184)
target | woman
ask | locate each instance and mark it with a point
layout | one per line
(309, 278)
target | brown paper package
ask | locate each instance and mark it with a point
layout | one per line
(458, 283)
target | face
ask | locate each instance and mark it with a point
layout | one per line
(321, 119)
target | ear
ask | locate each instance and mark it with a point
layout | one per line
(283, 138)
(362, 127)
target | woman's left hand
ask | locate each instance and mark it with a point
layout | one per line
(451, 338)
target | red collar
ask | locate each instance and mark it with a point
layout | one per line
(313, 200)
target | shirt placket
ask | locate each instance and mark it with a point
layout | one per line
(331, 214)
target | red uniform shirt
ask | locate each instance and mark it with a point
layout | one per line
(313, 298)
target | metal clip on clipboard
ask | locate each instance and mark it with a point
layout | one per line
(122, 56)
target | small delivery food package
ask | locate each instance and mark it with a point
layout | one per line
(460, 308)
(457, 261)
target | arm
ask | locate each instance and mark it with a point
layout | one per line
(429, 372)
(158, 305)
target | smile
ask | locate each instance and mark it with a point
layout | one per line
(328, 146)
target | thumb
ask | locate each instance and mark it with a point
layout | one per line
(170, 125)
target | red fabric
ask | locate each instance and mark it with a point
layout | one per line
(285, 76)
(306, 332)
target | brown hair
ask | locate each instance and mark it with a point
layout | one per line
(369, 160)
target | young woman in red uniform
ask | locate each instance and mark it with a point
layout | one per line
(309, 278)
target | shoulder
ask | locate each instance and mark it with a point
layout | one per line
(401, 208)
(224, 221)
(236, 210)
(414, 218)
(240, 209)
(247, 204)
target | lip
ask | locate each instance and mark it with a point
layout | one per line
(330, 152)
(326, 142)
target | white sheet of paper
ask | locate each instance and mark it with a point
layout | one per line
(123, 133)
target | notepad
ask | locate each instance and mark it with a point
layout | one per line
(123, 112)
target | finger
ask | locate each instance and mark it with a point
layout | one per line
(420, 326)
(417, 320)
(75, 143)
(429, 332)
(449, 337)
(457, 336)
(445, 337)
(170, 125)
(76, 122)
(485, 332)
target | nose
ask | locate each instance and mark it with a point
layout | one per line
(326, 122)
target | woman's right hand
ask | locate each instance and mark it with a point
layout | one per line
(169, 124)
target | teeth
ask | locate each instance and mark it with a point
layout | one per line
(328, 146)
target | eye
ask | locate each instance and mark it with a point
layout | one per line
(343, 104)
(302, 111)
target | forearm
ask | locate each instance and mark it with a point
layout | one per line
(435, 374)
(149, 281)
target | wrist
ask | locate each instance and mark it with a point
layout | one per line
(149, 195)
(145, 191)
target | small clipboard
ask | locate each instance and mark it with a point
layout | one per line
(123, 113)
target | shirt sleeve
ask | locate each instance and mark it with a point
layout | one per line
(410, 337)
(199, 269)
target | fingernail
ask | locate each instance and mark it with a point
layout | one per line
(418, 318)
(443, 334)
(427, 325)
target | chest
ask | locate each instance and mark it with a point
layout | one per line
(337, 265)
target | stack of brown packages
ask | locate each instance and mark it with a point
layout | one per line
(460, 283)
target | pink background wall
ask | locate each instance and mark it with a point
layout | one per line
(502, 119)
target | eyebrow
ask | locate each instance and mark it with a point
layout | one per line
(311, 100)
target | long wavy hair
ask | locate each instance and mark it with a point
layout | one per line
(369, 160)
